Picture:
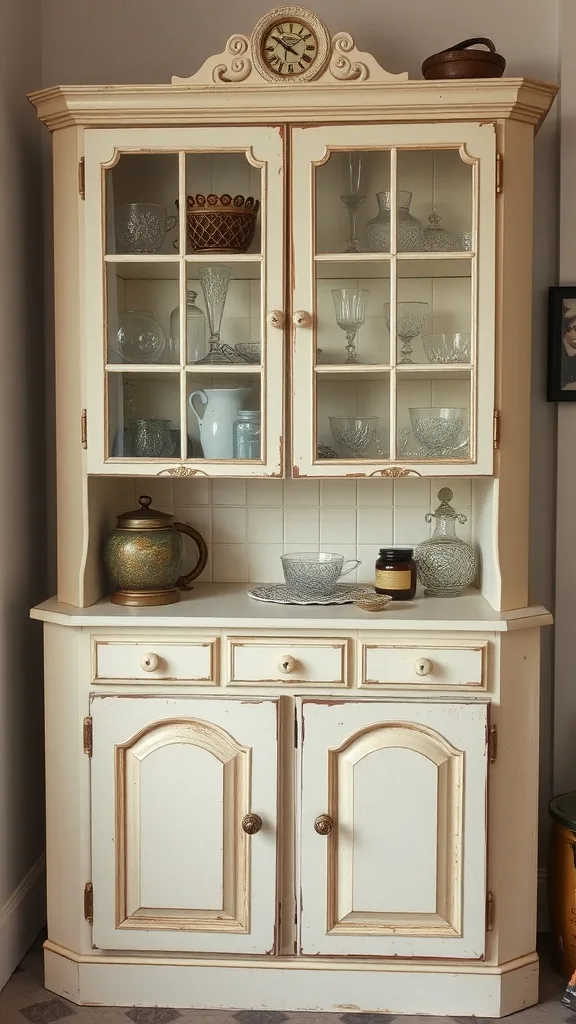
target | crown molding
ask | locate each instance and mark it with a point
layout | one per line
(98, 106)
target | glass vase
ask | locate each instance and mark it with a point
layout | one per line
(446, 564)
(410, 234)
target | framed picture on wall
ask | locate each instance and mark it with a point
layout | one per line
(562, 344)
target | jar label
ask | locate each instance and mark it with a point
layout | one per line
(393, 579)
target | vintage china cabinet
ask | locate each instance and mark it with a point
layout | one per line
(304, 808)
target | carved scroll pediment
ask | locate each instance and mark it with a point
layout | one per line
(237, 64)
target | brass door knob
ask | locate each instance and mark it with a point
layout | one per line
(251, 823)
(323, 824)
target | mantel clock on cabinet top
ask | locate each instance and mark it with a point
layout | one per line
(293, 265)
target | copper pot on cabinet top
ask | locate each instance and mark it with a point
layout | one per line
(145, 556)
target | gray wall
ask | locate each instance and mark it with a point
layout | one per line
(22, 472)
(150, 40)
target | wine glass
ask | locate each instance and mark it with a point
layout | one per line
(350, 308)
(410, 319)
(215, 281)
(353, 199)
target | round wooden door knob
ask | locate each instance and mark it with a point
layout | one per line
(423, 667)
(323, 824)
(251, 823)
(286, 664)
(150, 662)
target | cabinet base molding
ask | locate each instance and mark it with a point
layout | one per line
(451, 989)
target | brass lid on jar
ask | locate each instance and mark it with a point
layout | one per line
(144, 518)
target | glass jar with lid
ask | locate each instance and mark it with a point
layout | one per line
(446, 564)
(195, 331)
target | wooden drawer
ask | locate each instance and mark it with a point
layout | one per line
(156, 659)
(321, 662)
(398, 664)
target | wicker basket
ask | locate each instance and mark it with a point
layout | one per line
(221, 223)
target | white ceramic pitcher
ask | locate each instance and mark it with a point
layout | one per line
(220, 407)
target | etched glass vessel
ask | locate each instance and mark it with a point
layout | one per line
(195, 331)
(408, 228)
(446, 564)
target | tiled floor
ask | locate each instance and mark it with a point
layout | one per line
(24, 999)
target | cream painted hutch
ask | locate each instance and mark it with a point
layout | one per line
(261, 806)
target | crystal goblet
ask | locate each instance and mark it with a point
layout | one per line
(410, 319)
(215, 281)
(353, 199)
(350, 308)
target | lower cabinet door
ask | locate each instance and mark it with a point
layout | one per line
(175, 863)
(393, 827)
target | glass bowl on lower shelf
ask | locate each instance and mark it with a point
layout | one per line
(354, 435)
(438, 429)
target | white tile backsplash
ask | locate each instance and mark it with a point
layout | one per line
(249, 524)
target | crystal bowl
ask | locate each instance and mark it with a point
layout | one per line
(139, 338)
(438, 429)
(354, 434)
(447, 348)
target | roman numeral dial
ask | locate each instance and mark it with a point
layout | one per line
(289, 48)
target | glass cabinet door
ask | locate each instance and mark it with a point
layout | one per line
(394, 242)
(184, 288)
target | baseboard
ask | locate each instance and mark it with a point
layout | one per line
(21, 918)
(543, 918)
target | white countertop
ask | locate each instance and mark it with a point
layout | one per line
(219, 605)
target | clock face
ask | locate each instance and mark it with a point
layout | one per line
(289, 48)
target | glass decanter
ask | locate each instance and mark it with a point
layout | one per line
(436, 238)
(446, 564)
(195, 332)
(410, 235)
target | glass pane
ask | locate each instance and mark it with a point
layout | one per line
(350, 300)
(433, 415)
(223, 203)
(143, 415)
(434, 201)
(141, 192)
(142, 304)
(224, 321)
(224, 415)
(434, 311)
(347, 203)
(353, 415)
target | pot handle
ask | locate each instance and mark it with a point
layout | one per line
(204, 399)
(477, 41)
(184, 581)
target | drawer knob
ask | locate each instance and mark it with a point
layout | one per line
(302, 318)
(423, 667)
(251, 823)
(323, 824)
(150, 662)
(287, 664)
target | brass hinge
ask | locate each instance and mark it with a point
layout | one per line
(496, 430)
(499, 173)
(492, 743)
(84, 429)
(89, 902)
(87, 735)
(489, 911)
(82, 178)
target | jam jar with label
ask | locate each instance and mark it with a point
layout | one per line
(396, 573)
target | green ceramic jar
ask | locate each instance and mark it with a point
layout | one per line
(145, 555)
